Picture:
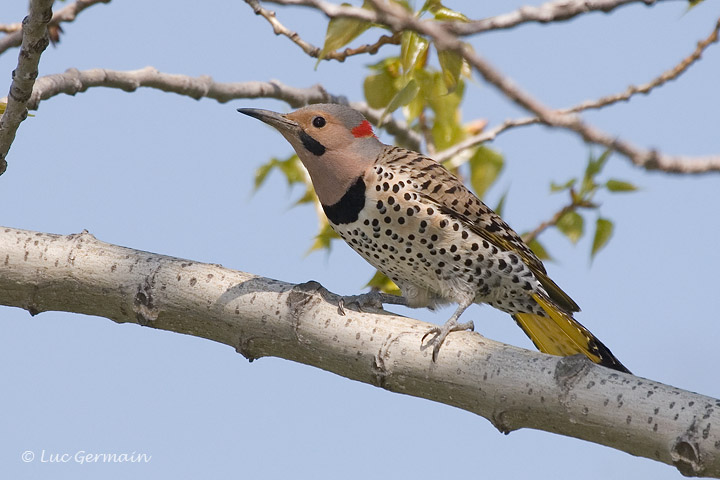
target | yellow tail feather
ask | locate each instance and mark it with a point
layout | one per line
(562, 335)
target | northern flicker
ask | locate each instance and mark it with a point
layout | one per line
(416, 222)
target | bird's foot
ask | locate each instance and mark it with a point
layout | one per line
(440, 333)
(369, 301)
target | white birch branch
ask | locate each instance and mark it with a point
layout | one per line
(35, 40)
(511, 387)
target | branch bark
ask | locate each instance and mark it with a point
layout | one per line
(76, 81)
(556, 11)
(34, 41)
(511, 387)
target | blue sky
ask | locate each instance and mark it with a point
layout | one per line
(168, 174)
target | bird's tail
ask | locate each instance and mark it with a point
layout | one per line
(560, 334)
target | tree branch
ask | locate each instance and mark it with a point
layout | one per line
(74, 81)
(556, 11)
(532, 235)
(511, 387)
(65, 14)
(77, 81)
(311, 49)
(34, 41)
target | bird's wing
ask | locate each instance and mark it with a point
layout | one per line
(458, 202)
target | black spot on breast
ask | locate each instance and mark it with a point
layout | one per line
(347, 209)
(312, 145)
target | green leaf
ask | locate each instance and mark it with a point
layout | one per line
(341, 31)
(413, 51)
(446, 133)
(323, 238)
(603, 232)
(379, 89)
(308, 197)
(554, 187)
(451, 64)
(417, 105)
(429, 5)
(381, 282)
(614, 185)
(262, 172)
(594, 167)
(446, 129)
(292, 168)
(539, 250)
(571, 224)
(441, 12)
(485, 166)
(401, 98)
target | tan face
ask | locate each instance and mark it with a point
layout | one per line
(335, 143)
(323, 127)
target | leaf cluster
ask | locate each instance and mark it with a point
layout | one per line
(583, 192)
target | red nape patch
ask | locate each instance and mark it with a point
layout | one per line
(363, 130)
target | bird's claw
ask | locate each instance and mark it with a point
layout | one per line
(366, 301)
(441, 334)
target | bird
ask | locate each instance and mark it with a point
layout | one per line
(416, 222)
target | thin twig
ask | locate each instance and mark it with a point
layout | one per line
(34, 41)
(556, 11)
(65, 14)
(665, 77)
(313, 50)
(532, 235)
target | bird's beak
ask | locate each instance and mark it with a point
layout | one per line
(276, 120)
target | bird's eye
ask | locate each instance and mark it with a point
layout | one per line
(318, 122)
